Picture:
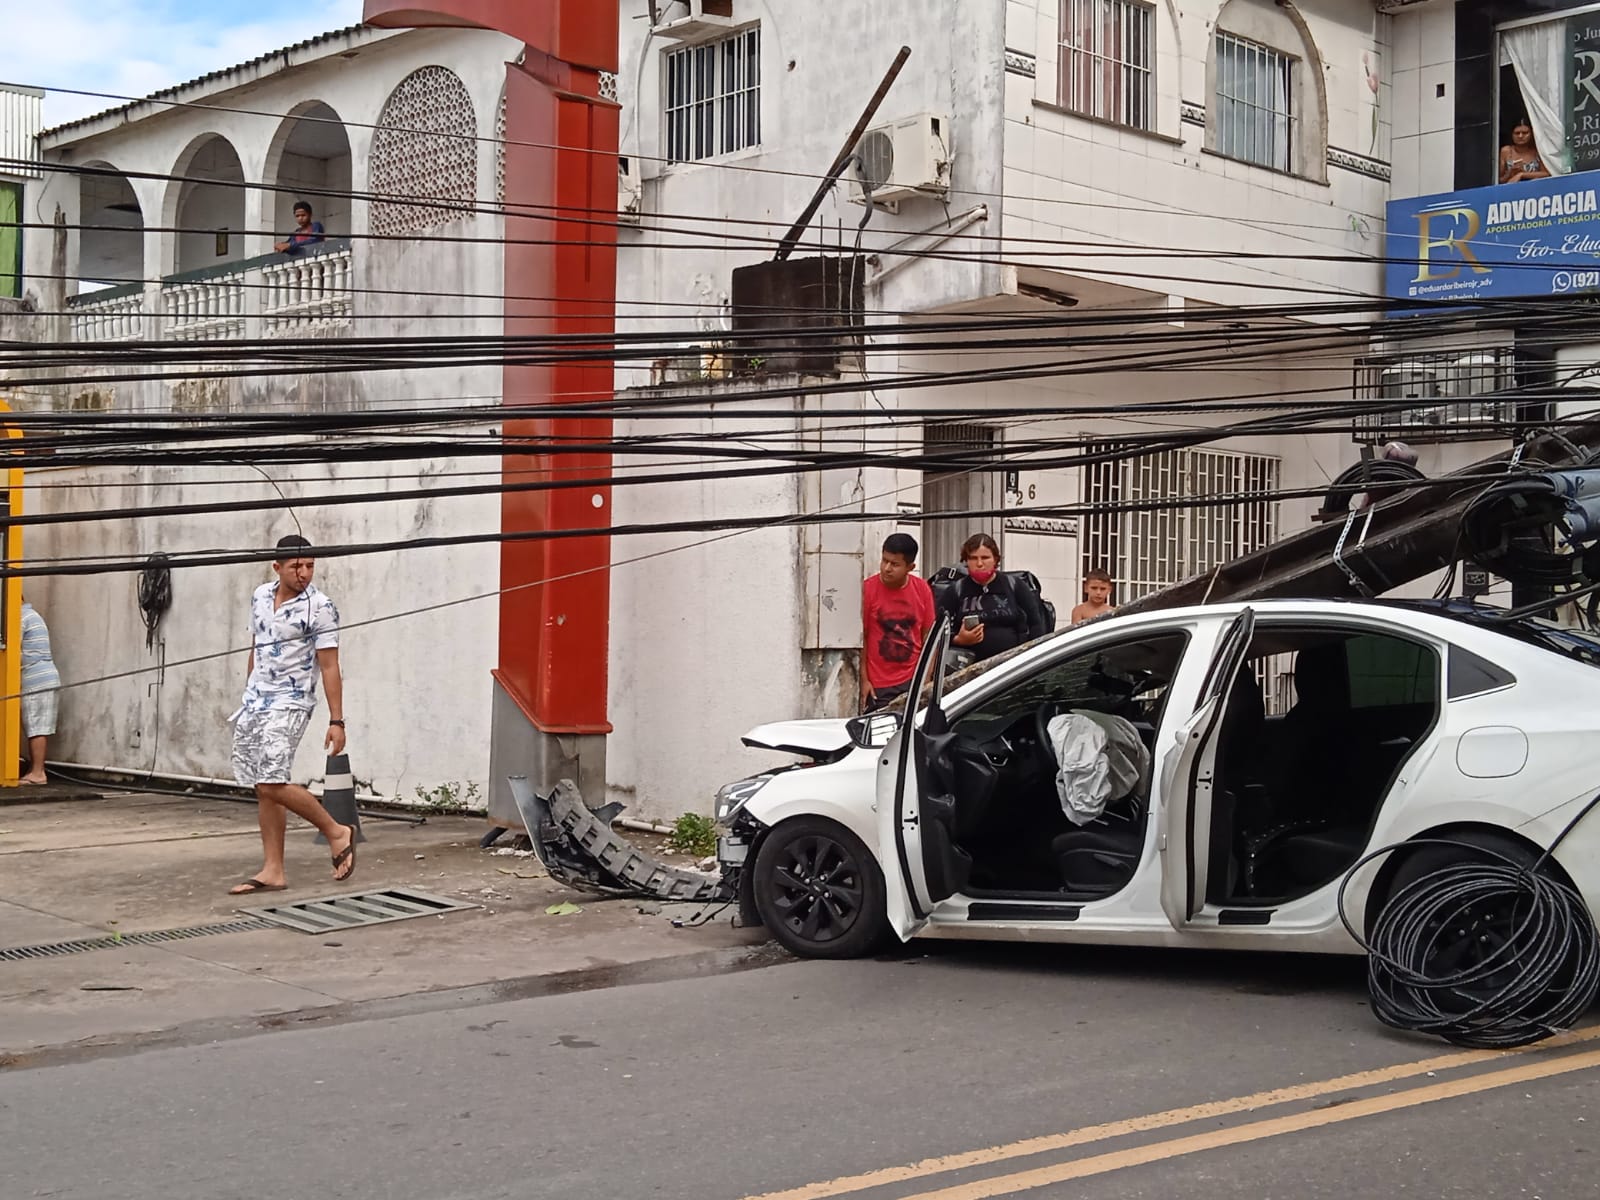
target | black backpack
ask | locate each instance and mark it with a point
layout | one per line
(945, 578)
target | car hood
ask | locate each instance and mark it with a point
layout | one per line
(822, 740)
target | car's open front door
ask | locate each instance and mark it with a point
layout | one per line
(921, 866)
(1188, 779)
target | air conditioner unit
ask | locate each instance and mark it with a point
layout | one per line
(690, 20)
(907, 158)
(630, 194)
(1408, 382)
(1477, 373)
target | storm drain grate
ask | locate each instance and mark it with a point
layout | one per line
(111, 941)
(359, 908)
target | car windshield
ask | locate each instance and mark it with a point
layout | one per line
(966, 674)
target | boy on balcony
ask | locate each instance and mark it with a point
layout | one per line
(307, 232)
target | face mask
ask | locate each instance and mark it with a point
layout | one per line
(982, 576)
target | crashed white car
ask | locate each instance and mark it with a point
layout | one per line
(1287, 739)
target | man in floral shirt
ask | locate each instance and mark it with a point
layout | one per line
(294, 634)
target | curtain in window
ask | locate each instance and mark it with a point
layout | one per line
(1538, 55)
(1078, 40)
(1280, 139)
(10, 239)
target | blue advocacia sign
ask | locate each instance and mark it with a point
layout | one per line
(1535, 238)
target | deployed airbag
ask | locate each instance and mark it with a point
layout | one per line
(1099, 758)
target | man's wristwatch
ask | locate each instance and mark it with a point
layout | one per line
(339, 723)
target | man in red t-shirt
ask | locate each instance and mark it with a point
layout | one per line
(897, 615)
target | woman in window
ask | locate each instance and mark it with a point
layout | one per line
(993, 612)
(1521, 159)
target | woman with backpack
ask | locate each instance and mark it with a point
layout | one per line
(993, 612)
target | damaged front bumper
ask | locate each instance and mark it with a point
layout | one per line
(579, 848)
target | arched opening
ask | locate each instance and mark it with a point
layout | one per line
(1268, 100)
(310, 162)
(424, 154)
(210, 214)
(111, 245)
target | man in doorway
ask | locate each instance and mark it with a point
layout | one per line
(897, 615)
(1096, 597)
(294, 634)
(307, 232)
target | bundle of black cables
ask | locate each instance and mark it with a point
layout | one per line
(1486, 949)
(155, 596)
(1510, 527)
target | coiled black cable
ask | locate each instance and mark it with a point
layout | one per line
(155, 595)
(1371, 475)
(1511, 527)
(1490, 952)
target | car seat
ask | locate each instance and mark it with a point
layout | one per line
(1101, 858)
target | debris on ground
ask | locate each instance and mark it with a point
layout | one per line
(580, 848)
(565, 908)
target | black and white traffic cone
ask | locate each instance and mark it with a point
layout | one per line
(339, 795)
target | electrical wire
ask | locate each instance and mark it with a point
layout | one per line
(1163, 206)
(1485, 947)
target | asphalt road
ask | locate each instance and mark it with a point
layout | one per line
(1033, 1071)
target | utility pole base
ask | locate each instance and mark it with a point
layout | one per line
(519, 747)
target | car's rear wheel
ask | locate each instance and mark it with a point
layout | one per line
(1468, 941)
(819, 891)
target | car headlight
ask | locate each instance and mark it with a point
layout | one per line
(734, 796)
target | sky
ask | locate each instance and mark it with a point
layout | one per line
(134, 47)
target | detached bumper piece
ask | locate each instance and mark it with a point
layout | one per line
(580, 849)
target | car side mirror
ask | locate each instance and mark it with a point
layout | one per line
(874, 729)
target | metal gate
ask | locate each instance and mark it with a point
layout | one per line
(1147, 550)
(960, 490)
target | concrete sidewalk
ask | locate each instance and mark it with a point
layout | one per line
(82, 867)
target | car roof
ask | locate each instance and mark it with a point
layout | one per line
(1473, 621)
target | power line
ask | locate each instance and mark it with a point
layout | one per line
(1164, 206)
(725, 524)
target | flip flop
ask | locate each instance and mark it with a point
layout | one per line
(251, 886)
(347, 854)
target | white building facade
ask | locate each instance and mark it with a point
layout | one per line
(1173, 189)
(1086, 159)
(168, 212)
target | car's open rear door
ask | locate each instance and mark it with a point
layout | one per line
(914, 800)
(1188, 779)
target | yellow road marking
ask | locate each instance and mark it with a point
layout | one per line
(1160, 1120)
(1116, 1160)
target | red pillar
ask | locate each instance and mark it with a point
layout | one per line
(560, 162)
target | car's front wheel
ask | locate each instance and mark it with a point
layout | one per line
(819, 891)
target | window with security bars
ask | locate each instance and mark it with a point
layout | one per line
(1255, 117)
(1435, 397)
(1146, 550)
(714, 97)
(959, 489)
(1108, 56)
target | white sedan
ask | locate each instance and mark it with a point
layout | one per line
(1287, 739)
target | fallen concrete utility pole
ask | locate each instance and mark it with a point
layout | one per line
(1397, 540)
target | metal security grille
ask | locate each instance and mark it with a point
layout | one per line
(1256, 121)
(960, 490)
(359, 908)
(1107, 55)
(1146, 551)
(1455, 391)
(111, 941)
(714, 97)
